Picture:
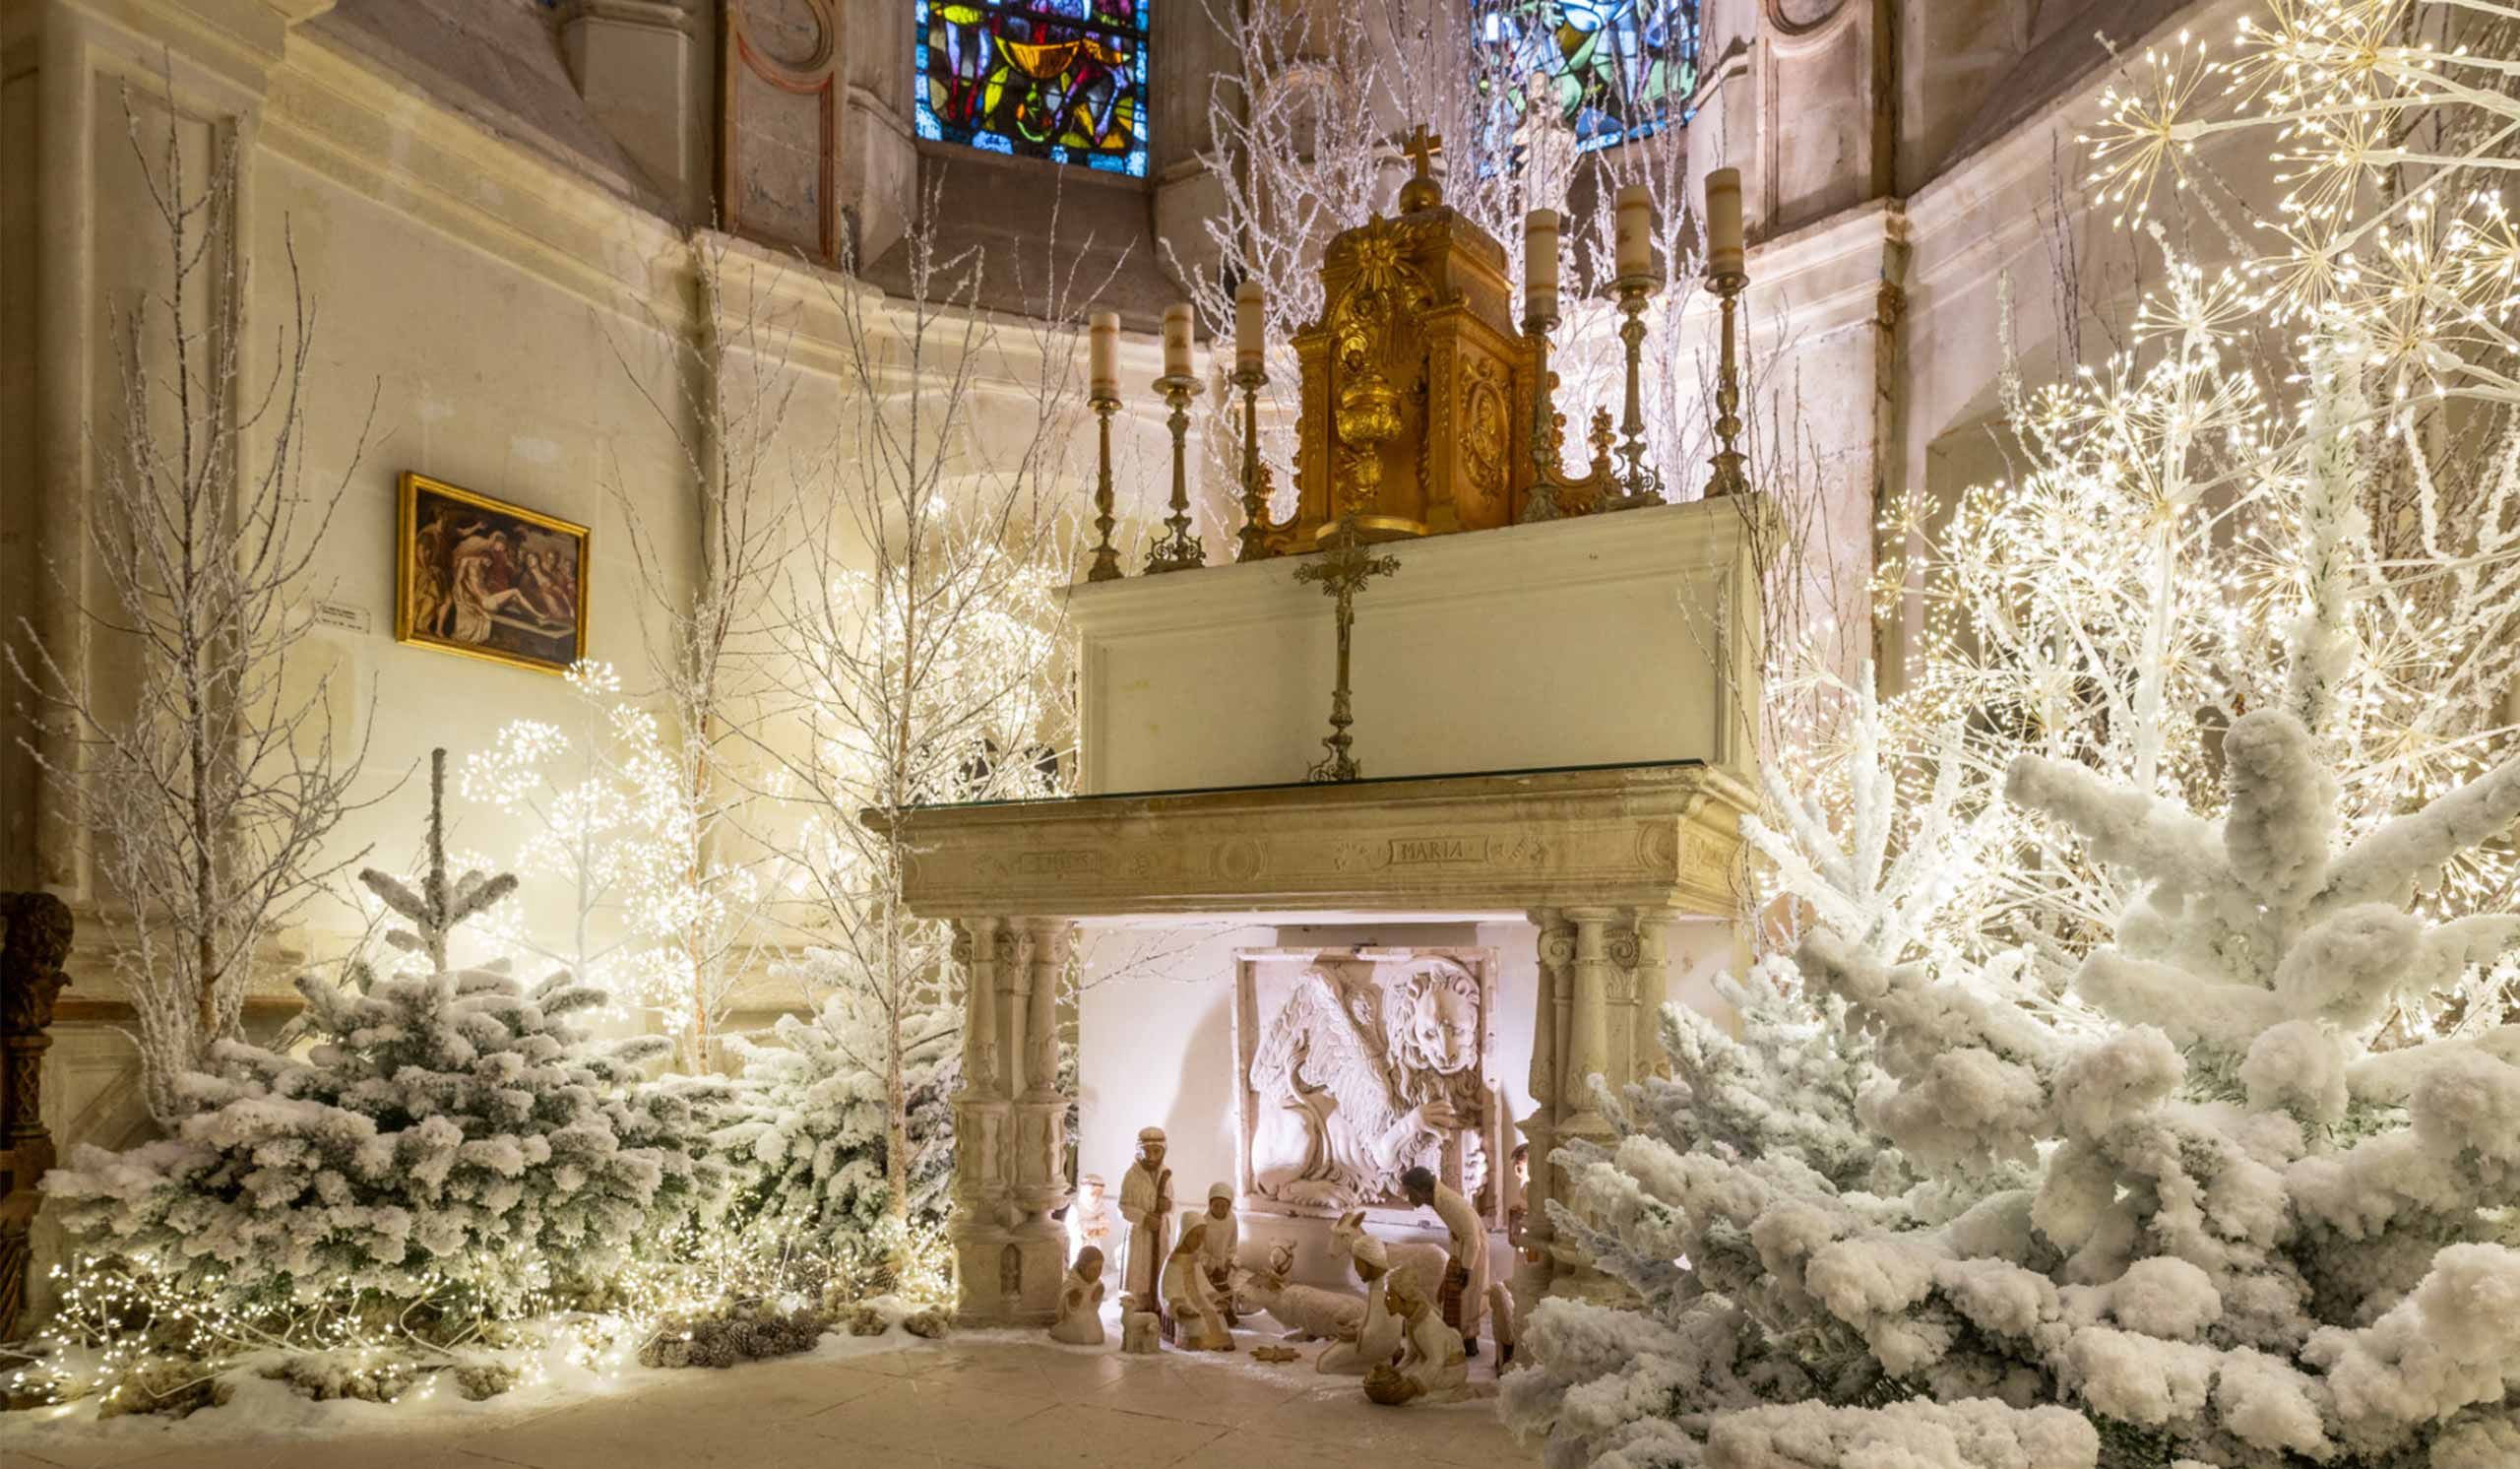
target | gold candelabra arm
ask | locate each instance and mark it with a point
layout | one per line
(1106, 558)
(1639, 483)
(1253, 542)
(1599, 439)
(1542, 502)
(1727, 477)
(1177, 549)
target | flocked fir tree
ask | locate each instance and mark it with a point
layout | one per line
(453, 1141)
(806, 1131)
(2215, 1225)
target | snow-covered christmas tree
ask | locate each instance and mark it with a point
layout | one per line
(1941, 1221)
(452, 1137)
(805, 1133)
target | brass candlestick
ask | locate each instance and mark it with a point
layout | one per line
(1253, 542)
(1178, 550)
(1728, 477)
(1639, 483)
(1106, 558)
(1342, 570)
(1542, 503)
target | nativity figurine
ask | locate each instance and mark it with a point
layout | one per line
(1223, 1238)
(1463, 1292)
(1089, 1219)
(1080, 1320)
(1146, 1202)
(1141, 1330)
(1308, 1312)
(1198, 1324)
(1431, 1366)
(1374, 1340)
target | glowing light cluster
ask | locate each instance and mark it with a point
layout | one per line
(614, 821)
(2194, 533)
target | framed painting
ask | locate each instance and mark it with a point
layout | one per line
(488, 579)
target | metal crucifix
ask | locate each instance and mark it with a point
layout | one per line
(1342, 570)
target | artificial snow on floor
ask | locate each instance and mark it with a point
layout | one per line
(974, 1400)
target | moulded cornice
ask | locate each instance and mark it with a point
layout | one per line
(1461, 567)
(1829, 271)
(355, 122)
(1660, 836)
(677, 16)
(1958, 230)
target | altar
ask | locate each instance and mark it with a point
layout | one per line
(1523, 840)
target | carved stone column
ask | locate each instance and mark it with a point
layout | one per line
(1013, 971)
(1591, 979)
(1648, 987)
(1589, 1052)
(976, 951)
(982, 1213)
(1010, 1122)
(1037, 1163)
(1549, 1025)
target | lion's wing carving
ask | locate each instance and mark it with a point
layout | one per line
(1324, 1062)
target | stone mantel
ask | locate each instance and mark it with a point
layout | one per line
(1656, 836)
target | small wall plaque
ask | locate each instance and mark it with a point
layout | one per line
(341, 615)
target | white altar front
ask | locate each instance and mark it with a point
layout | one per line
(1554, 720)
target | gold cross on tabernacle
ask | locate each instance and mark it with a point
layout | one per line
(1422, 147)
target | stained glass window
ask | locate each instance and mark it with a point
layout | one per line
(1614, 69)
(1063, 80)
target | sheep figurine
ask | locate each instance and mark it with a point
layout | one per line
(1307, 1311)
(1421, 1262)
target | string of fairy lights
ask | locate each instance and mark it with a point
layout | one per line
(127, 1334)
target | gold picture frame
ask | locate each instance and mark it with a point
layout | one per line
(485, 579)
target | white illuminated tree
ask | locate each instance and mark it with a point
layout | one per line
(2196, 532)
(2159, 1113)
(919, 634)
(605, 819)
(209, 787)
(706, 648)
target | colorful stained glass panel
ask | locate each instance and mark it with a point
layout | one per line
(1063, 80)
(1614, 69)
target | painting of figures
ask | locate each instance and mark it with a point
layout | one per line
(478, 576)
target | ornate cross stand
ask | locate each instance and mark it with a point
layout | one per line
(1342, 571)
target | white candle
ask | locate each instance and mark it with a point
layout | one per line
(1539, 265)
(1250, 344)
(1723, 221)
(1106, 339)
(1635, 231)
(1176, 340)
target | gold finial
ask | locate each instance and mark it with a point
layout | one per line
(1422, 191)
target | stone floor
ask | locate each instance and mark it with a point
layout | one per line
(983, 1402)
